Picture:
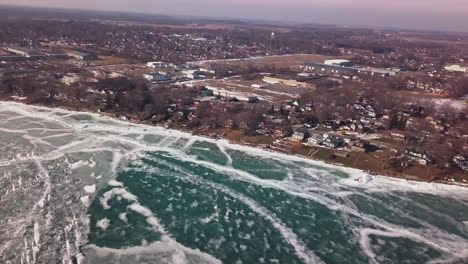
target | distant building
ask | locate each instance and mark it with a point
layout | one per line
(338, 62)
(334, 66)
(306, 76)
(293, 83)
(258, 86)
(207, 71)
(56, 55)
(456, 68)
(156, 77)
(312, 66)
(193, 74)
(160, 64)
(243, 97)
(19, 50)
(400, 135)
(81, 55)
(378, 71)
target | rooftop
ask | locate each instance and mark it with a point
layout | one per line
(333, 67)
(18, 48)
(78, 53)
(337, 61)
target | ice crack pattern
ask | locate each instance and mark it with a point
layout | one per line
(80, 188)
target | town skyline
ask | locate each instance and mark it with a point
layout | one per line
(417, 15)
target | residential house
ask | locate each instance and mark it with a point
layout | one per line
(300, 134)
(282, 132)
(315, 139)
(332, 141)
(422, 157)
(461, 161)
(397, 135)
(359, 146)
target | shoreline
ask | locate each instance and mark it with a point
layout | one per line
(258, 147)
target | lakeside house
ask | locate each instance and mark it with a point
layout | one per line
(461, 161)
(332, 141)
(327, 140)
(422, 157)
(315, 139)
(300, 134)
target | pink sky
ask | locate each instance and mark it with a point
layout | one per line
(422, 14)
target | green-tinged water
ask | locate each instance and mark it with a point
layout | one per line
(162, 196)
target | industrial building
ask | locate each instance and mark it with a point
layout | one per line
(19, 50)
(81, 55)
(338, 62)
(293, 83)
(456, 68)
(160, 64)
(331, 67)
(378, 71)
(312, 66)
(243, 97)
(193, 74)
(156, 77)
(56, 55)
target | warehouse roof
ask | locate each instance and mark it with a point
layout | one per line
(331, 67)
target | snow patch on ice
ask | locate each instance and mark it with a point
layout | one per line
(37, 233)
(85, 199)
(103, 224)
(123, 217)
(90, 188)
(90, 163)
(119, 192)
(115, 183)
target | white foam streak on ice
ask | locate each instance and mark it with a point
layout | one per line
(222, 148)
(153, 221)
(116, 158)
(37, 234)
(189, 143)
(48, 188)
(57, 135)
(366, 242)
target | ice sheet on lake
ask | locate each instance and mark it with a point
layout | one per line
(54, 161)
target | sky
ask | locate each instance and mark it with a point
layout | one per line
(449, 15)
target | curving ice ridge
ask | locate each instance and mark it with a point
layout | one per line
(80, 188)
